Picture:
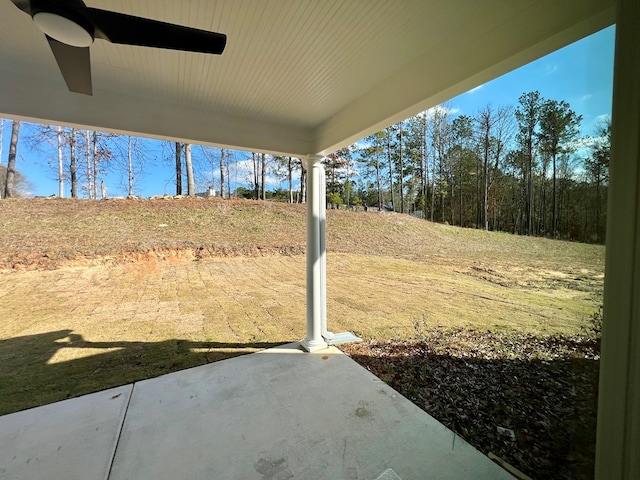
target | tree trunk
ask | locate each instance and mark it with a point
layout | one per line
(11, 162)
(228, 179)
(347, 187)
(486, 120)
(87, 141)
(189, 166)
(531, 209)
(485, 193)
(424, 166)
(433, 190)
(95, 163)
(598, 208)
(290, 178)
(452, 200)
(263, 168)
(72, 164)
(378, 183)
(401, 173)
(543, 225)
(130, 165)
(178, 168)
(255, 157)
(393, 206)
(461, 197)
(303, 181)
(554, 214)
(441, 172)
(223, 154)
(60, 167)
(478, 207)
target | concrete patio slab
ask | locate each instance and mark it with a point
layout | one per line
(73, 439)
(283, 414)
(273, 415)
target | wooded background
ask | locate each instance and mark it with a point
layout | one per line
(523, 169)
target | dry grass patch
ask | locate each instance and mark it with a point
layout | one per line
(48, 233)
(76, 330)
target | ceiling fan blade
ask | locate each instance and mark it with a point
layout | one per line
(127, 29)
(74, 63)
(24, 5)
(33, 6)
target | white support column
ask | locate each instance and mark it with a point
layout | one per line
(618, 435)
(314, 340)
(326, 334)
(329, 337)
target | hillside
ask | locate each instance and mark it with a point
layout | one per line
(49, 233)
(373, 252)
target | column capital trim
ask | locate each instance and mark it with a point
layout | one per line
(314, 159)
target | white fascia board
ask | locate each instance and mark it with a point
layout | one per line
(32, 99)
(454, 68)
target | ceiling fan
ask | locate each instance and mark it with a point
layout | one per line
(71, 27)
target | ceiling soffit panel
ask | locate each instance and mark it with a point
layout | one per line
(298, 76)
(289, 62)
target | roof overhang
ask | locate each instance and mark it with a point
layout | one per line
(298, 77)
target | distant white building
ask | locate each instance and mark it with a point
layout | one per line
(211, 192)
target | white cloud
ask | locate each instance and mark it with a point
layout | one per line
(243, 167)
(442, 110)
(583, 146)
(244, 174)
(602, 119)
(586, 97)
(583, 143)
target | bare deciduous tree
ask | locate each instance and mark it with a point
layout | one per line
(60, 143)
(9, 185)
(73, 170)
(223, 158)
(178, 146)
(263, 173)
(189, 167)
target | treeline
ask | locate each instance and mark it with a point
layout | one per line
(81, 160)
(521, 169)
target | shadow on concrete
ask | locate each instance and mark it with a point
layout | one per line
(48, 367)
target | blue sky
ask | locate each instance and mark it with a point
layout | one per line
(581, 74)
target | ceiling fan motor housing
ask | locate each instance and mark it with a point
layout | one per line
(63, 25)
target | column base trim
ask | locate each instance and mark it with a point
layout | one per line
(313, 345)
(342, 337)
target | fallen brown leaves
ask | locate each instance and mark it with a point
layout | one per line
(488, 387)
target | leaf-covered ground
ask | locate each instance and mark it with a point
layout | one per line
(531, 400)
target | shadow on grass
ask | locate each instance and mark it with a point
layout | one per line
(549, 405)
(48, 367)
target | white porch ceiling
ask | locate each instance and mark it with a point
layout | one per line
(297, 76)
